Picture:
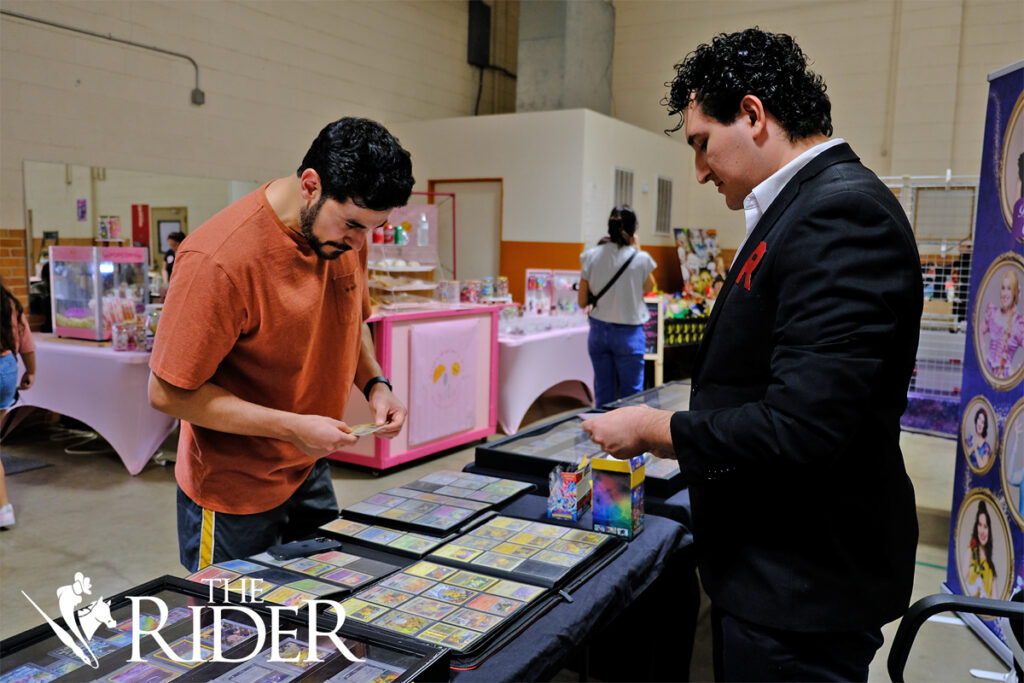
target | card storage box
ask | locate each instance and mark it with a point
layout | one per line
(437, 504)
(570, 491)
(40, 655)
(619, 496)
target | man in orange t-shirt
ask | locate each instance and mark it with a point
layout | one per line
(262, 337)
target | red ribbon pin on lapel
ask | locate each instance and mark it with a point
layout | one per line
(752, 263)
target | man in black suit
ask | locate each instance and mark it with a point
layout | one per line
(803, 514)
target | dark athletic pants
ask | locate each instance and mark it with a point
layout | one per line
(205, 536)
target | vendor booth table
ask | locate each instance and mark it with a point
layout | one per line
(634, 620)
(105, 389)
(531, 364)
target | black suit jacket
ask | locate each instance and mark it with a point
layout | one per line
(803, 514)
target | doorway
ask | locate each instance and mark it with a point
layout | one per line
(477, 233)
(165, 220)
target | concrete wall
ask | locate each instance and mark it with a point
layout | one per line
(565, 55)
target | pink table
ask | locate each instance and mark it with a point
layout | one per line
(532, 364)
(105, 389)
(472, 334)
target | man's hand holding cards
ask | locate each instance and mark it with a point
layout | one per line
(366, 429)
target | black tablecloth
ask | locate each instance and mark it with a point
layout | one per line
(640, 608)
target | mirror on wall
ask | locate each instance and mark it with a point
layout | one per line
(72, 204)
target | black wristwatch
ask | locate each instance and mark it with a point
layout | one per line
(379, 379)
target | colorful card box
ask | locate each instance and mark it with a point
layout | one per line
(569, 494)
(619, 496)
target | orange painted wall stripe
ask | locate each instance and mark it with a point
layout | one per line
(516, 257)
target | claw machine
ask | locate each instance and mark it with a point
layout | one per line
(95, 287)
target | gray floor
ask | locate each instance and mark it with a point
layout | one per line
(86, 513)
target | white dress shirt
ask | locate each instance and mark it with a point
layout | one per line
(762, 196)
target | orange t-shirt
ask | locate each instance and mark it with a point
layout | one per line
(254, 310)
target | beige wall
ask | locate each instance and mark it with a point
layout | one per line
(557, 168)
(274, 72)
(907, 78)
(609, 143)
(538, 155)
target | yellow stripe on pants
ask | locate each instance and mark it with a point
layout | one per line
(206, 539)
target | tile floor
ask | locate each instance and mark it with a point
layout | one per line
(85, 513)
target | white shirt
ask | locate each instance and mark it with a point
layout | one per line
(623, 303)
(762, 196)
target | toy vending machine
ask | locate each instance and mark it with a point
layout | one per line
(539, 291)
(566, 288)
(95, 287)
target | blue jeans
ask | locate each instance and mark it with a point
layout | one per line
(617, 353)
(8, 380)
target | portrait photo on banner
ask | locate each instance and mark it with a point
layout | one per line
(979, 435)
(984, 555)
(1012, 459)
(1011, 172)
(999, 322)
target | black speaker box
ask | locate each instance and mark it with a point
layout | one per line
(478, 46)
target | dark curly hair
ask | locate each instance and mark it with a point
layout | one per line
(359, 159)
(770, 66)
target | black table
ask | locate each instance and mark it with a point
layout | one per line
(634, 620)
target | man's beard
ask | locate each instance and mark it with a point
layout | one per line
(306, 219)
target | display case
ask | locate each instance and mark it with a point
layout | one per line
(95, 287)
(130, 644)
(672, 396)
(565, 286)
(481, 589)
(539, 291)
(533, 453)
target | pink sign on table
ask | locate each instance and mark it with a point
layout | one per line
(442, 369)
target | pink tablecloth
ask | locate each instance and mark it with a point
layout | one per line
(529, 365)
(103, 388)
